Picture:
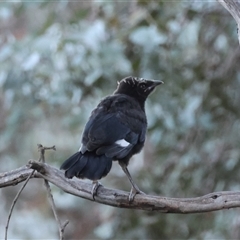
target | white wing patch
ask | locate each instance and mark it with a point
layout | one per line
(122, 143)
(80, 148)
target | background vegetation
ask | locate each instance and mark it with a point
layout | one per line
(58, 59)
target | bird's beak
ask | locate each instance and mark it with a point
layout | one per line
(156, 82)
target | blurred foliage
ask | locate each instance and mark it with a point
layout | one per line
(58, 59)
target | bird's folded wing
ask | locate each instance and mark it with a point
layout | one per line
(114, 133)
(105, 131)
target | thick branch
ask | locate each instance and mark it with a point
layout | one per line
(233, 7)
(117, 198)
(15, 176)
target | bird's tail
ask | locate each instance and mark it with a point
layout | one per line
(88, 165)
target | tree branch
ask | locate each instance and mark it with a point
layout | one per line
(15, 176)
(117, 198)
(233, 7)
(14, 180)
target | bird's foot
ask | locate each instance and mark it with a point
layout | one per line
(96, 185)
(134, 191)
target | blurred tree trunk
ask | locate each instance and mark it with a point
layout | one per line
(233, 7)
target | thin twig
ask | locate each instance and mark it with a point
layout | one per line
(14, 203)
(17, 196)
(61, 226)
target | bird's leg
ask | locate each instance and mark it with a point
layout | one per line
(96, 185)
(134, 190)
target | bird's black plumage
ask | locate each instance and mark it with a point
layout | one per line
(115, 130)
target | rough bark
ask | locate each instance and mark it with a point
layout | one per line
(117, 198)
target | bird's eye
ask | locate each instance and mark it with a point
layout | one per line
(143, 86)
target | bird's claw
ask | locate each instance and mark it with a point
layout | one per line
(133, 193)
(95, 187)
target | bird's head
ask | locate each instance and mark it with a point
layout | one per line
(139, 88)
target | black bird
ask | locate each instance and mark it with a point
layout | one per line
(115, 131)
